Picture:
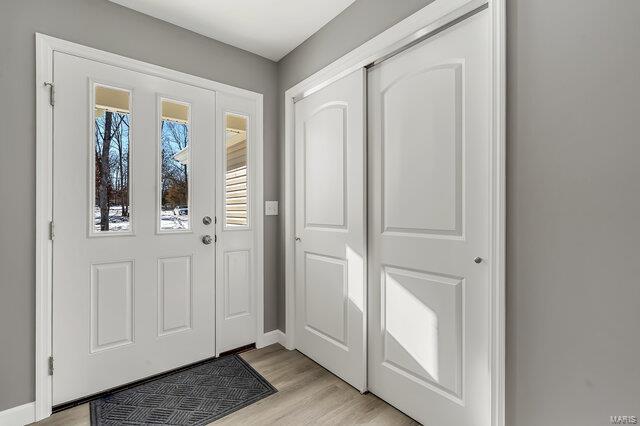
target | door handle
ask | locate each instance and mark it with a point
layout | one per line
(207, 239)
(478, 259)
(298, 239)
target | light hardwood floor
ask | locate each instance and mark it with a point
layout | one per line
(307, 394)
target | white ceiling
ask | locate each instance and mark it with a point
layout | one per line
(269, 28)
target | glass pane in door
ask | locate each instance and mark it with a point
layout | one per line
(112, 123)
(236, 188)
(175, 158)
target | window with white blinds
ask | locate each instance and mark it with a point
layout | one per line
(236, 199)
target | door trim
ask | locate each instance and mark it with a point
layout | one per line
(45, 48)
(412, 28)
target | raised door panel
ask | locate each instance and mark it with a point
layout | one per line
(422, 151)
(237, 287)
(326, 298)
(324, 167)
(422, 320)
(175, 294)
(111, 305)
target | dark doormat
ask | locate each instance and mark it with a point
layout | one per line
(194, 396)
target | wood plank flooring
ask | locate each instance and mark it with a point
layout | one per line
(307, 394)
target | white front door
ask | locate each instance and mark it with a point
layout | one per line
(330, 228)
(133, 280)
(429, 158)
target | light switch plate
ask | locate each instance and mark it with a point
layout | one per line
(271, 208)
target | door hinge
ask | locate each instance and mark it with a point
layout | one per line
(52, 98)
(215, 219)
(52, 233)
(51, 366)
(215, 238)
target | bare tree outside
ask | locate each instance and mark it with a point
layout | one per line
(175, 175)
(112, 171)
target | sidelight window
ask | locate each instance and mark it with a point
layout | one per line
(236, 189)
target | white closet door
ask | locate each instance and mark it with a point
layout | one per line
(330, 228)
(429, 127)
(133, 293)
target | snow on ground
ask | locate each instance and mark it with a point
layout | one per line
(117, 222)
(168, 220)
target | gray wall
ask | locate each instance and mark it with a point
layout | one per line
(107, 26)
(573, 185)
(573, 182)
(573, 170)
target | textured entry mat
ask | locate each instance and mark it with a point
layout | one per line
(195, 396)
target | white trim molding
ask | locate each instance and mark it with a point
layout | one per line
(270, 338)
(413, 28)
(498, 213)
(18, 416)
(45, 48)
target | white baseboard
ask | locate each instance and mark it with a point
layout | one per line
(18, 416)
(270, 338)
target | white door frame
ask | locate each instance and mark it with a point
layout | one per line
(45, 47)
(412, 28)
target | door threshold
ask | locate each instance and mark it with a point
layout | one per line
(239, 350)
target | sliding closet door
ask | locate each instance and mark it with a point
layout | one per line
(330, 228)
(428, 128)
